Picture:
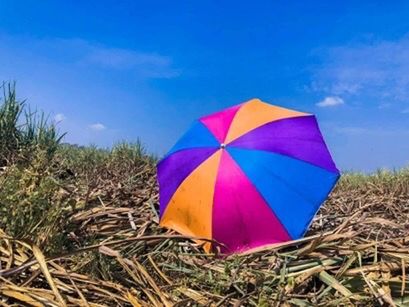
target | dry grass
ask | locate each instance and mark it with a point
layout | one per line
(114, 253)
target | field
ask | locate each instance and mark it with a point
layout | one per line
(79, 227)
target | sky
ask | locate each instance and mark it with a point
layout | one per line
(108, 71)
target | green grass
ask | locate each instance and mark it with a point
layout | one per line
(23, 131)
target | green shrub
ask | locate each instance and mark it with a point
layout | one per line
(10, 134)
(23, 131)
(32, 204)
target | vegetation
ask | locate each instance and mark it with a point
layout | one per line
(79, 227)
(23, 131)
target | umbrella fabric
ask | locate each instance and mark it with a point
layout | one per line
(251, 175)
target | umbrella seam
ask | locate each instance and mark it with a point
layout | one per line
(279, 179)
(182, 149)
(240, 105)
(290, 157)
(197, 121)
(301, 139)
(167, 204)
(261, 195)
(286, 183)
(276, 120)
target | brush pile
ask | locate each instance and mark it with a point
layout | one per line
(80, 228)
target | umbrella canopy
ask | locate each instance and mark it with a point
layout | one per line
(250, 175)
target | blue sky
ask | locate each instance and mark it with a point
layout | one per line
(119, 70)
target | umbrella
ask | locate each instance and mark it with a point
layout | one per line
(251, 175)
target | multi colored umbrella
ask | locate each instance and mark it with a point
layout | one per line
(251, 175)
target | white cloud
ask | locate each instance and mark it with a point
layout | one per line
(330, 101)
(59, 117)
(378, 71)
(97, 127)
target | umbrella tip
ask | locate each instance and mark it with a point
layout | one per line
(222, 145)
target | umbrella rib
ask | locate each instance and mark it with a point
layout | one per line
(267, 123)
(296, 192)
(314, 139)
(270, 208)
(287, 156)
(280, 179)
(165, 205)
(187, 148)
